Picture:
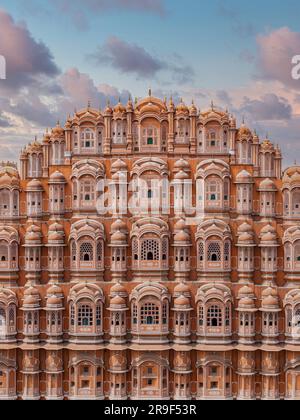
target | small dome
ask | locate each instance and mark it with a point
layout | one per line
(5, 179)
(244, 131)
(182, 289)
(119, 166)
(54, 300)
(54, 290)
(180, 225)
(119, 108)
(181, 175)
(182, 236)
(118, 289)
(267, 185)
(245, 227)
(292, 175)
(268, 234)
(182, 165)
(30, 300)
(56, 236)
(246, 237)
(31, 291)
(35, 185)
(244, 176)
(33, 234)
(56, 227)
(295, 177)
(58, 177)
(247, 302)
(182, 301)
(270, 301)
(118, 301)
(182, 108)
(268, 228)
(118, 237)
(246, 291)
(118, 225)
(268, 237)
(269, 292)
(267, 145)
(58, 131)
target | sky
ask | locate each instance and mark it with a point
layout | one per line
(60, 54)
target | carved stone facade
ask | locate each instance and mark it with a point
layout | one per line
(198, 301)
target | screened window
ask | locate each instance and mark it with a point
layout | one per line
(85, 316)
(214, 316)
(214, 252)
(150, 314)
(86, 252)
(150, 250)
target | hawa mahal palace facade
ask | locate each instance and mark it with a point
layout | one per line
(199, 302)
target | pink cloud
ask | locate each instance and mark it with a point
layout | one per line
(275, 53)
(25, 57)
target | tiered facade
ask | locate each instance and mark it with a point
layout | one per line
(170, 299)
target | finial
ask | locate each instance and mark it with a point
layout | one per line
(89, 104)
(212, 105)
(150, 92)
(136, 100)
(243, 121)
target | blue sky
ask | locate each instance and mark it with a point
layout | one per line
(216, 50)
(207, 35)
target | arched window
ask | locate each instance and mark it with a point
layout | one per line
(296, 202)
(2, 317)
(201, 251)
(214, 252)
(5, 202)
(182, 131)
(3, 254)
(85, 316)
(86, 252)
(98, 315)
(214, 316)
(87, 192)
(119, 132)
(74, 251)
(134, 314)
(149, 314)
(213, 191)
(12, 315)
(72, 314)
(150, 136)
(201, 315)
(150, 250)
(87, 139)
